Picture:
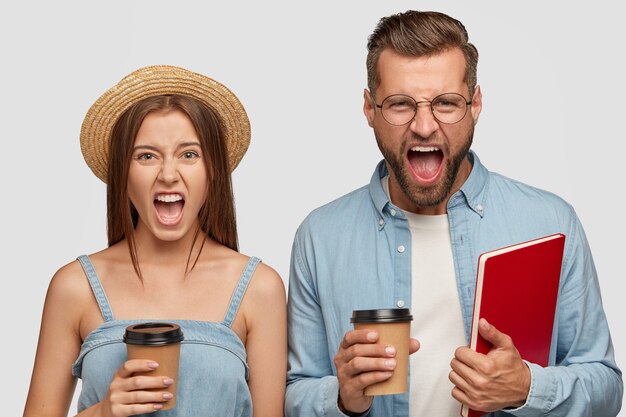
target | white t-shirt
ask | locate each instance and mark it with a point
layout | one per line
(437, 319)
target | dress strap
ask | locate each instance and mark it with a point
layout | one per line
(96, 287)
(240, 290)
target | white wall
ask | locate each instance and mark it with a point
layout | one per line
(554, 105)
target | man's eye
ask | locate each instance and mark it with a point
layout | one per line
(400, 105)
(449, 102)
(444, 103)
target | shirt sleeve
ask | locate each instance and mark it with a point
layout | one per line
(585, 379)
(312, 386)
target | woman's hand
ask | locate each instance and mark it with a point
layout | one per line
(132, 393)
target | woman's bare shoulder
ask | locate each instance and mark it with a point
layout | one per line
(70, 283)
(266, 285)
(68, 292)
(69, 279)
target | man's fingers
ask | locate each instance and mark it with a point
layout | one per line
(366, 379)
(360, 365)
(468, 357)
(461, 368)
(361, 336)
(461, 375)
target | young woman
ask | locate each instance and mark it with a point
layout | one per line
(165, 141)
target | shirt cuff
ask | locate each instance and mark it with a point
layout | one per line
(540, 395)
(351, 414)
(331, 400)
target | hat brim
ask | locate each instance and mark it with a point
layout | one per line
(95, 133)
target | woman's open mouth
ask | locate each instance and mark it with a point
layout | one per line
(169, 208)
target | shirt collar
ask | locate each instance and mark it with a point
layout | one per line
(473, 189)
(471, 193)
(377, 193)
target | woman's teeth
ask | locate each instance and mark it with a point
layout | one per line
(169, 198)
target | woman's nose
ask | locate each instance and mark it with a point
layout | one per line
(169, 171)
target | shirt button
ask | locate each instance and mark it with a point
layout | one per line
(392, 212)
(479, 208)
(381, 222)
(400, 303)
(401, 248)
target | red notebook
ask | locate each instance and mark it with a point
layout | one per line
(516, 291)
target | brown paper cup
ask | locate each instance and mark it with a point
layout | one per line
(393, 327)
(159, 342)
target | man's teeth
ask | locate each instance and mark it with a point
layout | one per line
(169, 198)
(424, 149)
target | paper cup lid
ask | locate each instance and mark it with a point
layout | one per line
(383, 315)
(153, 334)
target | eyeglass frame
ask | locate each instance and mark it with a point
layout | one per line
(417, 103)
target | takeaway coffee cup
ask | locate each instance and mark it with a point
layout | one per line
(159, 342)
(393, 327)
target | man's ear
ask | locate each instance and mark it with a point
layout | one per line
(477, 104)
(369, 107)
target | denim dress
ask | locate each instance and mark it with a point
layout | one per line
(213, 373)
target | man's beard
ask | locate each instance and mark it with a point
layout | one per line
(433, 195)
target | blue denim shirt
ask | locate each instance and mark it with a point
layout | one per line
(355, 253)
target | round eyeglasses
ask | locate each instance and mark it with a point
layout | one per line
(448, 108)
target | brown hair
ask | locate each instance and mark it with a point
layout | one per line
(217, 215)
(415, 33)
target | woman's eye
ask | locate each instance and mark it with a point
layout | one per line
(190, 155)
(145, 157)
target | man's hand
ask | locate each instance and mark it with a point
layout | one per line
(361, 362)
(493, 381)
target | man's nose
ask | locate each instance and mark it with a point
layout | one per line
(424, 122)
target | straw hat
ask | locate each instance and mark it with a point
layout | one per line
(95, 133)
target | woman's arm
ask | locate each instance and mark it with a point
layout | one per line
(52, 384)
(266, 342)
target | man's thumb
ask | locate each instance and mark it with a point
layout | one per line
(491, 334)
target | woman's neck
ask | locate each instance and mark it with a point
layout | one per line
(156, 251)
